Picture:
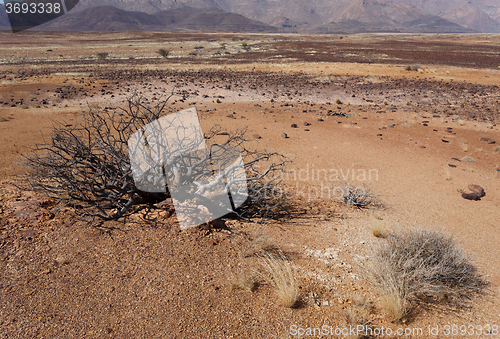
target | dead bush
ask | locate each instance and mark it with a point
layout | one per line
(360, 196)
(87, 165)
(163, 52)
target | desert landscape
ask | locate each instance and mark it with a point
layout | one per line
(414, 118)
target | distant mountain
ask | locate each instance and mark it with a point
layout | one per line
(479, 15)
(4, 19)
(307, 16)
(107, 18)
(321, 16)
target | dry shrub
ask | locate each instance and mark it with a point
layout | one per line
(414, 67)
(5, 118)
(163, 52)
(420, 265)
(360, 197)
(102, 55)
(278, 274)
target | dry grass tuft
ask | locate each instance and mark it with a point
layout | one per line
(378, 228)
(243, 281)
(420, 265)
(468, 158)
(258, 242)
(5, 118)
(465, 147)
(278, 273)
(447, 172)
(359, 316)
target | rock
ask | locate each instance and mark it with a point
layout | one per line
(320, 119)
(256, 136)
(488, 140)
(307, 124)
(284, 135)
(27, 234)
(477, 189)
(471, 196)
(294, 126)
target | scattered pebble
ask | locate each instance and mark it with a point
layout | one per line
(284, 135)
(488, 140)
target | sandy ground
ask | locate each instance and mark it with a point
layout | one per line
(405, 135)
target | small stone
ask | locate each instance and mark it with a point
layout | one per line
(307, 124)
(320, 119)
(477, 189)
(294, 126)
(284, 135)
(488, 140)
(471, 196)
(256, 136)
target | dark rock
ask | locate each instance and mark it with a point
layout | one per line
(477, 189)
(471, 196)
(490, 141)
(294, 126)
